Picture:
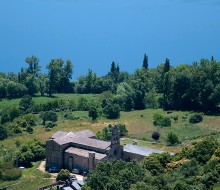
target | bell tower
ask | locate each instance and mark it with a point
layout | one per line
(115, 139)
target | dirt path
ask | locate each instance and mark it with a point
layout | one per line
(41, 167)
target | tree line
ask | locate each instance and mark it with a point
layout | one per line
(195, 167)
(184, 87)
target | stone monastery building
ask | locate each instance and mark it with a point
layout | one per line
(82, 151)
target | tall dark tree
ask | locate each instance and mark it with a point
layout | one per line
(55, 71)
(65, 76)
(145, 62)
(166, 84)
(166, 66)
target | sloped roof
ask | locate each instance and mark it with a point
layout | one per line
(59, 134)
(140, 150)
(63, 134)
(83, 141)
(85, 133)
(85, 153)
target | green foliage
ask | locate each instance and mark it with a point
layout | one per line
(106, 132)
(125, 96)
(8, 172)
(30, 152)
(29, 129)
(156, 163)
(9, 114)
(203, 150)
(162, 121)
(59, 75)
(114, 175)
(196, 118)
(145, 62)
(50, 124)
(111, 109)
(155, 135)
(26, 104)
(3, 132)
(94, 111)
(63, 175)
(31, 119)
(49, 116)
(83, 104)
(172, 138)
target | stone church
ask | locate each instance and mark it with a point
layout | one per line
(82, 151)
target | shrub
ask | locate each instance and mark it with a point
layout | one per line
(29, 129)
(83, 104)
(11, 174)
(50, 124)
(30, 119)
(156, 135)
(48, 116)
(63, 175)
(162, 121)
(26, 104)
(172, 138)
(196, 118)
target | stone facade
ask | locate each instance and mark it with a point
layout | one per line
(80, 150)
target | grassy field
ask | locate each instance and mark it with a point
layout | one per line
(38, 99)
(139, 125)
(31, 179)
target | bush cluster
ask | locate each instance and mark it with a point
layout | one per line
(161, 121)
(196, 118)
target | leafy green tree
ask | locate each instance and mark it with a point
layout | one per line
(83, 104)
(114, 175)
(141, 84)
(155, 135)
(66, 74)
(49, 116)
(151, 99)
(152, 163)
(43, 83)
(63, 175)
(26, 104)
(94, 112)
(125, 96)
(172, 138)
(196, 118)
(59, 75)
(33, 63)
(111, 109)
(204, 149)
(162, 121)
(122, 130)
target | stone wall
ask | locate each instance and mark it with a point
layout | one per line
(127, 156)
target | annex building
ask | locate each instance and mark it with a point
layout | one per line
(81, 150)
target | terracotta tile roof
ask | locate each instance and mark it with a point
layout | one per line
(85, 153)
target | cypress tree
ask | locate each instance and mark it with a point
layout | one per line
(145, 62)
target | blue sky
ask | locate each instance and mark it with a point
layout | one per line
(93, 33)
